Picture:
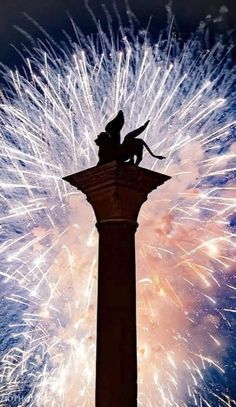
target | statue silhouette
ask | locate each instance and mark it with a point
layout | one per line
(110, 148)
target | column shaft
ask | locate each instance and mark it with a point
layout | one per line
(116, 368)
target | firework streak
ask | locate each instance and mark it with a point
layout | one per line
(50, 115)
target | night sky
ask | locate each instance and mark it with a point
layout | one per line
(53, 16)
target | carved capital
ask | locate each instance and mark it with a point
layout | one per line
(116, 190)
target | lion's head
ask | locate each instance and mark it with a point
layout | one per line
(103, 139)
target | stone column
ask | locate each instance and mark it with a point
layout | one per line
(116, 192)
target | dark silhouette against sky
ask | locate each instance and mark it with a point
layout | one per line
(130, 150)
(116, 193)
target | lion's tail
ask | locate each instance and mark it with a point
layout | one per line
(149, 150)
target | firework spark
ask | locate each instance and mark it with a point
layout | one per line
(50, 116)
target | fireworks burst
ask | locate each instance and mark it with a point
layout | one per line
(50, 116)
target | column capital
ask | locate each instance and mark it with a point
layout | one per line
(116, 190)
